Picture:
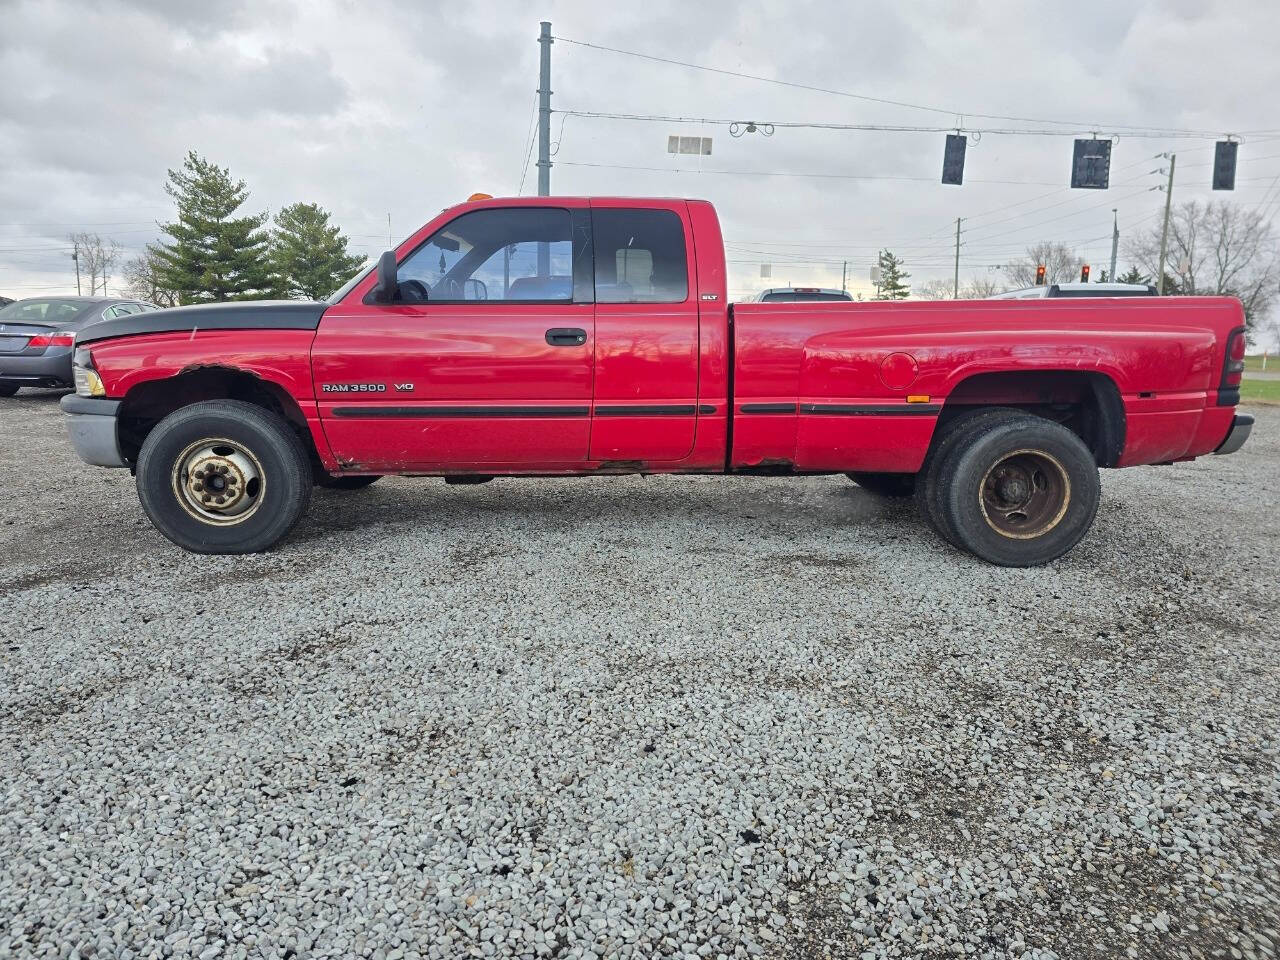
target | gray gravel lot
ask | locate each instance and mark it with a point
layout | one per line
(637, 717)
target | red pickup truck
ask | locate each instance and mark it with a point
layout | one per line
(563, 335)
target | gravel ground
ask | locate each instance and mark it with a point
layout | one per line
(677, 717)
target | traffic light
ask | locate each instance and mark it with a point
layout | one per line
(1224, 164)
(1091, 165)
(953, 159)
(1040, 275)
(1084, 273)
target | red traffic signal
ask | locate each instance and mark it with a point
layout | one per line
(1040, 275)
(1084, 274)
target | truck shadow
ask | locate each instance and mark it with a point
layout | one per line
(656, 506)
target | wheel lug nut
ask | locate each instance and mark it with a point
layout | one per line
(198, 485)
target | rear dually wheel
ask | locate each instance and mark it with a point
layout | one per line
(1018, 491)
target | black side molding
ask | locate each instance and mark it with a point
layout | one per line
(427, 413)
(767, 408)
(646, 410)
(241, 315)
(848, 409)
(879, 410)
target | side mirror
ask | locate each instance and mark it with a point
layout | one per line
(384, 291)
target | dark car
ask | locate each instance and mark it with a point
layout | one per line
(37, 337)
(800, 295)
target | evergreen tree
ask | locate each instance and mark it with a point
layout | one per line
(893, 279)
(214, 255)
(1133, 276)
(309, 258)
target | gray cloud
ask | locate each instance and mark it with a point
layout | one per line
(403, 107)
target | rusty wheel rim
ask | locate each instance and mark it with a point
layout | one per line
(218, 482)
(1025, 494)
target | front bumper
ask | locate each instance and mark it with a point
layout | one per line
(91, 423)
(1241, 427)
(49, 369)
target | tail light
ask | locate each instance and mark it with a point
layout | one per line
(62, 338)
(1232, 369)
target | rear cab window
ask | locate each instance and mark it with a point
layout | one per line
(640, 256)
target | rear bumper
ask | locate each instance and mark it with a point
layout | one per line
(91, 424)
(1241, 427)
(50, 369)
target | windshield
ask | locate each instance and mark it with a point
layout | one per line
(347, 287)
(41, 311)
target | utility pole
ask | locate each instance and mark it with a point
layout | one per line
(75, 255)
(1115, 242)
(390, 245)
(1164, 234)
(955, 283)
(544, 111)
(844, 275)
(544, 135)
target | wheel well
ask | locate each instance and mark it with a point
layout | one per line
(1086, 403)
(148, 403)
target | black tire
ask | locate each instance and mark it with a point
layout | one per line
(8, 388)
(276, 455)
(956, 434)
(1042, 507)
(330, 482)
(885, 484)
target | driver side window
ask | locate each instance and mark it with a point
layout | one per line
(519, 254)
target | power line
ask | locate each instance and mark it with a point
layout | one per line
(1148, 133)
(528, 150)
(1080, 125)
(784, 173)
(1066, 216)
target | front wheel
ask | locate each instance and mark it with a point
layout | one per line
(885, 484)
(223, 476)
(1020, 492)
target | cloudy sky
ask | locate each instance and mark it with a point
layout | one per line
(407, 106)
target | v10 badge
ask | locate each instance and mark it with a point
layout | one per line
(364, 387)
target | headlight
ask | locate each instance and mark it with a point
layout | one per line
(88, 383)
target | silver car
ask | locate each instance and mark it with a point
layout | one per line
(37, 337)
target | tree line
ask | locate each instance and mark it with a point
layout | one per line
(214, 252)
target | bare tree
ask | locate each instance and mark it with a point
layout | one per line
(143, 282)
(1216, 248)
(975, 288)
(1061, 265)
(979, 288)
(933, 290)
(97, 258)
